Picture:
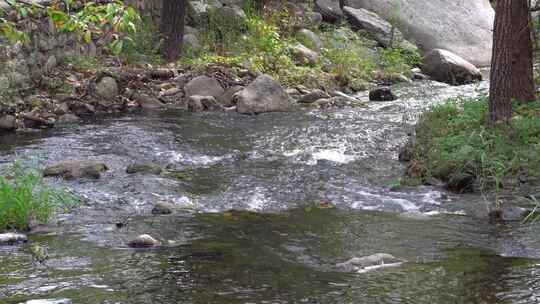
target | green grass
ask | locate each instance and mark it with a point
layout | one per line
(26, 199)
(454, 140)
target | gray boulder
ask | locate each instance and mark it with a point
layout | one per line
(263, 95)
(231, 17)
(203, 86)
(72, 169)
(445, 66)
(309, 39)
(107, 88)
(329, 10)
(464, 28)
(191, 42)
(383, 32)
(8, 123)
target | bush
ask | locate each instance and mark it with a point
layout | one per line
(25, 198)
(454, 140)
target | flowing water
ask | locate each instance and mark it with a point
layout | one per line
(254, 224)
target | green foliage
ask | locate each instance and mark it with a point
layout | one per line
(397, 61)
(348, 56)
(113, 20)
(25, 198)
(455, 139)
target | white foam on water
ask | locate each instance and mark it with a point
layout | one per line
(257, 201)
(334, 155)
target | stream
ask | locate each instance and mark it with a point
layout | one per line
(269, 204)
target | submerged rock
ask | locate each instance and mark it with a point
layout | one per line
(49, 301)
(445, 66)
(150, 168)
(11, 238)
(368, 263)
(143, 241)
(163, 208)
(264, 94)
(76, 169)
(382, 94)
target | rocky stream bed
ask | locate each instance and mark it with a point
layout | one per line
(265, 207)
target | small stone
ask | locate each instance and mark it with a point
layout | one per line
(50, 64)
(381, 94)
(11, 238)
(143, 241)
(163, 208)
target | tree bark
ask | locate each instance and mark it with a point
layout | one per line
(172, 28)
(512, 61)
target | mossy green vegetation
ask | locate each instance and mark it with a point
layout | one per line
(266, 44)
(455, 144)
(26, 199)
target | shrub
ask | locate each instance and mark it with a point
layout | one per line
(25, 198)
(455, 139)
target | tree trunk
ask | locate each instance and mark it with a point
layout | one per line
(172, 28)
(512, 60)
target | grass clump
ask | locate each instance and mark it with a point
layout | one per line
(26, 199)
(455, 144)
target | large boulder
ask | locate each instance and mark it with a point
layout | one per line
(264, 94)
(464, 28)
(383, 32)
(329, 10)
(203, 86)
(445, 66)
